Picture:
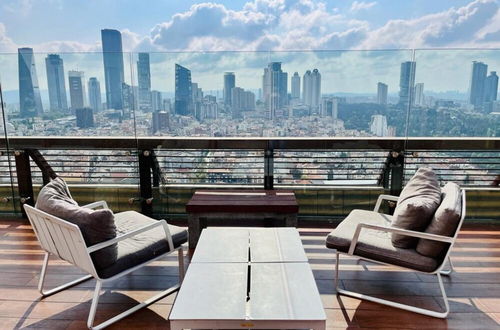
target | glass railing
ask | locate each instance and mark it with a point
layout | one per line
(394, 99)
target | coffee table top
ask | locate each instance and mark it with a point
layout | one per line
(256, 245)
(277, 291)
(241, 201)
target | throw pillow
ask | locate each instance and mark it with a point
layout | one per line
(444, 222)
(416, 205)
(96, 225)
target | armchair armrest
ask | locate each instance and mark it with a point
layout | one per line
(97, 205)
(384, 197)
(137, 231)
(405, 232)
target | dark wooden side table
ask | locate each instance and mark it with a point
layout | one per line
(231, 206)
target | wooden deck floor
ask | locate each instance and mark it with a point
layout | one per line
(474, 289)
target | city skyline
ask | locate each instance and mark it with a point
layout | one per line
(338, 77)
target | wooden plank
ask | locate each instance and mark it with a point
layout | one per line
(242, 201)
(276, 245)
(222, 245)
(284, 291)
(212, 291)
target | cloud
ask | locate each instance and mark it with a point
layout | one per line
(259, 25)
(456, 27)
(6, 44)
(282, 25)
(360, 5)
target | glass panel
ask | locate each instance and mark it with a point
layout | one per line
(67, 95)
(456, 93)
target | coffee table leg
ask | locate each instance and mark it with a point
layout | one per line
(291, 220)
(194, 229)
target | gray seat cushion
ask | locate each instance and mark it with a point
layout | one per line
(96, 225)
(416, 205)
(444, 222)
(143, 247)
(374, 244)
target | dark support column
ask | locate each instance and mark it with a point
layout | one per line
(145, 165)
(396, 165)
(47, 170)
(24, 181)
(155, 166)
(268, 167)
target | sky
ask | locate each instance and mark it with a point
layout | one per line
(272, 27)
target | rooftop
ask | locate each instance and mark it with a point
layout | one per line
(473, 290)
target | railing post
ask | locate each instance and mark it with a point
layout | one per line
(269, 167)
(146, 190)
(155, 167)
(396, 165)
(24, 181)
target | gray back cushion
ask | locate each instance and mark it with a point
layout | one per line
(96, 226)
(444, 222)
(416, 205)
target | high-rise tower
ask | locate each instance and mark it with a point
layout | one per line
(113, 67)
(382, 93)
(183, 92)
(491, 87)
(77, 90)
(306, 88)
(315, 89)
(95, 94)
(30, 101)
(144, 80)
(406, 82)
(56, 83)
(275, 88)
(477, 82)
(296, 86)
(229, 84)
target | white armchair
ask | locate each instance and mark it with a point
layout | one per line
(65, 240)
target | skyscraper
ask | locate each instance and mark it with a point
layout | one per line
(311, 90)
(156, 101)
(55, 82)
(113, 67)
(84, 117)
(491, 87)
(160, 121)
(183, 94)
(296, 86)
(275, 88)
(329, 107)
(229, 84)
(315, 89)
(95, 94)
(477, 82)
(144, 80)
(242, 101)
(419, 98)
(490, 91)
(382, 93)
(30, 101)
(406, 82)
(306, 88)
(378, 125)
(77, 90)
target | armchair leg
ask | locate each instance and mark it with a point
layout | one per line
(95, 301)
(180, 257)
(59, 288)
(448, 272)
(410, 308)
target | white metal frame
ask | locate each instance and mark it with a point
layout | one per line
(438, 272)
(64, 239)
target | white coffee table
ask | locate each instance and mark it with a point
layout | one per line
(246, 278)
